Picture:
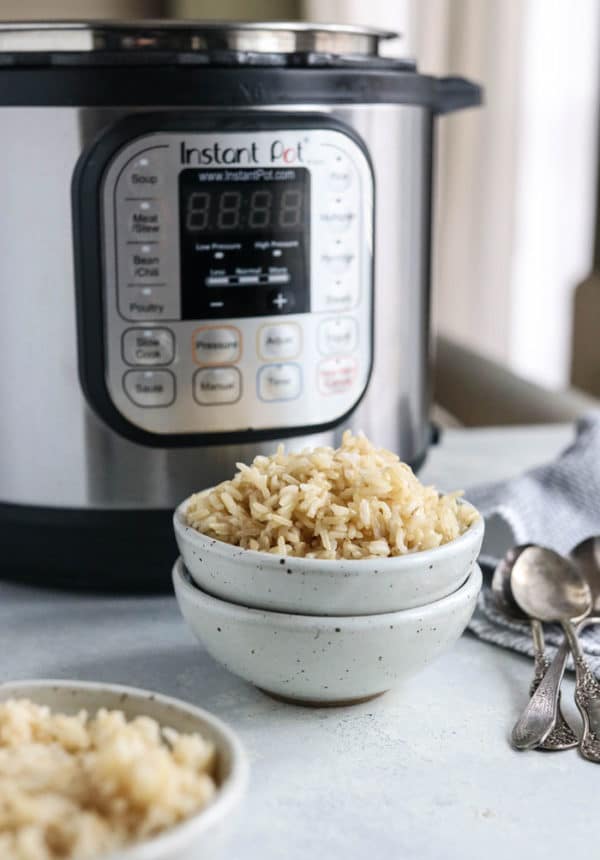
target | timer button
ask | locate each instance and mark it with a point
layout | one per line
(147, 346)
(279, 382)
(279, 341)
(215, 385)
(150, 388)
(217, 345)
(339, 334)
(144, 173)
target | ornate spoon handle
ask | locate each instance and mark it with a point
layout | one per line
(587, 698)
(540, 716)
(562, 736)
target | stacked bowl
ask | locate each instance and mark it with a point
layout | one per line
(325, 632)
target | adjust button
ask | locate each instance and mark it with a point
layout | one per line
(339, 334)
(217, 345)
(147, 346)
(337, 375)
(279, 382)
(150, 388)
(279, 341)
(217, 385)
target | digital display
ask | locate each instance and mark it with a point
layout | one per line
(244, 241)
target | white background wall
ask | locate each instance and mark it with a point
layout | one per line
(516, 180)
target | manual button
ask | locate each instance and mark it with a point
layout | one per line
(145, 346)
(279, 382)
(215, 385)
(150, 388)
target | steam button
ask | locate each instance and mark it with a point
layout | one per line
(338, 335)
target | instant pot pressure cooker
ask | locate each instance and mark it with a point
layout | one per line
(215, 237)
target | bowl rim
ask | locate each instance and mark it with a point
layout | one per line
(424, 556)
(183, 582)
(227, 796)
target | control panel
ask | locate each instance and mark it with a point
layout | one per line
(237, 279)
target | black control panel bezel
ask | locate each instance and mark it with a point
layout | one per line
(89, 264)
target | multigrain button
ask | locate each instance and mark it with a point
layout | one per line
(279, 341)
(339, 334)
(279, 382)
(217, 345)
(215, 385)
(147, 346)
(337, 375)
(150, 388)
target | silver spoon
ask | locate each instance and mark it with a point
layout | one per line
(549, 587)
(559, 734)
(541, 712)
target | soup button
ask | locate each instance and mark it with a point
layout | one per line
(279, 382)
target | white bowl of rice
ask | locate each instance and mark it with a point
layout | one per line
(105, 771)
(350, 531)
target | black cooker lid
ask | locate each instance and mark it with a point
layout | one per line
(217, 44)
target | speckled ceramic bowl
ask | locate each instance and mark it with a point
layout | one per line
(317, 587)
(205, 834)
(324, 660)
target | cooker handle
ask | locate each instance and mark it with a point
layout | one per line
(456, 93)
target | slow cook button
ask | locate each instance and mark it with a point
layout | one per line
(145, 346)
(279, 382)
(337, 375)
(339, 334)
(279, 341)
(144, 174)
(217, 345)
(217, 385)
(150, 388)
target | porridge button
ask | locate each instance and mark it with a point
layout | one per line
(279, 341)
(217, 385)
(279, 382)
(150, 388)
(217, 345)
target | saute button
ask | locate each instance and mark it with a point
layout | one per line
(144, 346)
(144, 174)
(279, 341)
(217, 385)
(217, 344)
(337, 375)
(150, 388)
(338, 335)
(279, 382)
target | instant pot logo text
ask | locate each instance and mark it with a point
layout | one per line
(278, 153)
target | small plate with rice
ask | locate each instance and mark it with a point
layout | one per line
(350, 531)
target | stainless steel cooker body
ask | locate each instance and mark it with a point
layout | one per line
(95, 490)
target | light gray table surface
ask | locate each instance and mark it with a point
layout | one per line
(423, 772)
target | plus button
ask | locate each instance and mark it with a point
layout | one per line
(280, 300)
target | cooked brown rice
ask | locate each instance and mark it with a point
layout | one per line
(357, 501)
(78, 787)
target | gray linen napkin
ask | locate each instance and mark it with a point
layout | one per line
(556, 505)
